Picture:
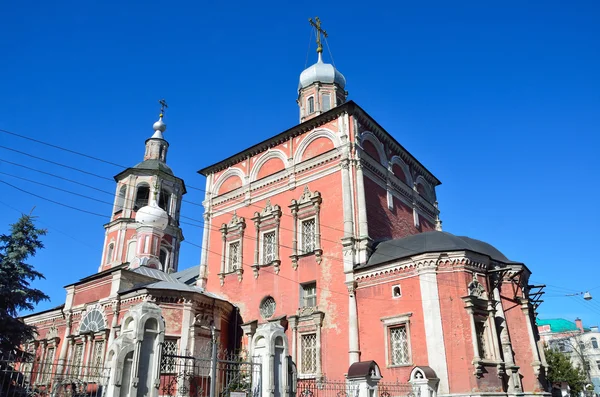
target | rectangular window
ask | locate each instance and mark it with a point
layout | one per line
(269, 248)
(308, 346)
(311, 105)
(47, 368)
(309, 295)
(167, 360)
(481, 341)
(308, 236)
(234, 256)
(399, 352)
(98, 359)
(598, 364)
(326, 102)
(77, 359)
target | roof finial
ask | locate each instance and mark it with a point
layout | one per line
(318, 31)
(159, 126)
(163, 105)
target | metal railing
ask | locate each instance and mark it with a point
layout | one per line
(325, 388)
(397, 389)
(25, 376)
(191, 376)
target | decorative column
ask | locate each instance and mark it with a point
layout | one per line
(293, 322)
(432, 318)
(203, 279)
(514, 380)
(347, 199)
(65, 343)
(186, 322)
(223, 248)
(116, 306)
(363, 225)
(353, 346)
(294, 255)
(318, 320)
(89, 346)
(256, 263)
(536, 363)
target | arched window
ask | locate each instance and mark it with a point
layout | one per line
(141, 197)
(93, 321)
(164, 200)
(326, 100)
(163, 257)
(131, 248)
(594, 343)
(109, 252)
(121, 199)
(311, 105)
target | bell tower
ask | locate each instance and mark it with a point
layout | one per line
(145, 217)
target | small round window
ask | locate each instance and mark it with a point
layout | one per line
(267, 307)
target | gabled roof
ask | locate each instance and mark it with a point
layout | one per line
(351, 108)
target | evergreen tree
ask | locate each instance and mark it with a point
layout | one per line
(16, 276)
(562, 370)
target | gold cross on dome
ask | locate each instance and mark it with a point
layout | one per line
(163, 106)
(319, 32)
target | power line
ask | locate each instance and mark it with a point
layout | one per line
(456, 285)
(122, 166)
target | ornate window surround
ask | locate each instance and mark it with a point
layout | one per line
(231, 232)
(307, 321)
(481, 312)
(306, 207)
(394, 322)
(266, 221)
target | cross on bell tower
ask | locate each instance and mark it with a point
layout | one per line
(163, 106)
(318, 31)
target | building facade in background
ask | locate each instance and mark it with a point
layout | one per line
(582, 344)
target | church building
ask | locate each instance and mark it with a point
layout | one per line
(323, 246)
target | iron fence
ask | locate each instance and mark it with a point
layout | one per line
(325, 388)
(26, 376)
(397, 389)
(191, 376)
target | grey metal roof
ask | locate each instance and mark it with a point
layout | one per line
(155, 273)
(189, 275)
(153, 164)
(433, 241)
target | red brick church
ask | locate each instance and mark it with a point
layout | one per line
(323, 244)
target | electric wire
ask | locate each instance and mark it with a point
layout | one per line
(262, 269)
(109, 179)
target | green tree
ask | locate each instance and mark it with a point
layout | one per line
(560, 369)
(16, 293)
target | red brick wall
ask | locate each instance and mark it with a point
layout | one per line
(383, 222)
(375, 302)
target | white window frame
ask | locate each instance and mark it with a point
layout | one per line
(304, 296)
(303, 250)
(308, 110)
(301, 372)
(393, 288)
(402, 320)
(263, 259)
(323, 94)
(228, 269)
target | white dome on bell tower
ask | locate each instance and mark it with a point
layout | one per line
(321, 86)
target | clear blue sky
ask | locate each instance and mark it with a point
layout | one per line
(500, 101)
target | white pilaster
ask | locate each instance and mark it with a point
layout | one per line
(434, 333)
